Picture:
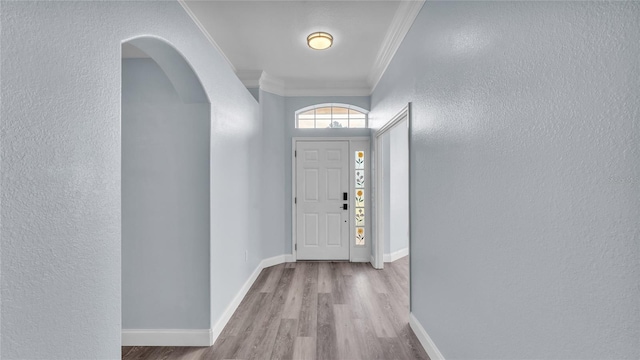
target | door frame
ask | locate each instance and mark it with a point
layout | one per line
(378, 249)
(294, 185)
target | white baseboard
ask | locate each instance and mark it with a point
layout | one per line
(265, 263)
(396, 255)
(231, 308)
(167, 337)
(289, 258)
(425, 340)
(204, 337)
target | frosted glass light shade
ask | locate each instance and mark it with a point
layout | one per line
(320, 40)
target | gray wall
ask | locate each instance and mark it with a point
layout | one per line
(524, 172)
(165, 203)
(61, 161)
(273, 182)
(395, 158)
(386, 191)
(255, 92)
(398, 187)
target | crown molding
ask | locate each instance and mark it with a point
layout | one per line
(272, 84)
(278, 86)
(275, 85)
(205, 32)
(350, 91)
(398, 29)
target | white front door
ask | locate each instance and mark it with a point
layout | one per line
(322, 182)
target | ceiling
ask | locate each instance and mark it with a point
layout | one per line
(265, 41)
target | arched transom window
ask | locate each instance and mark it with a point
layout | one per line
(331, 116)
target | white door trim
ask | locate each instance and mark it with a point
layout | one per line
(378, 252)
(394, 121)
(294, 253)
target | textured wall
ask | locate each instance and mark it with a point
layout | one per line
(386, 191)
(525, 173)
(273, 182)
(255, 92)
(395, 156)
(60, 196)
(165, 203)
(398, 187)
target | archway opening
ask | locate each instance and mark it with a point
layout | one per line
(165, 193)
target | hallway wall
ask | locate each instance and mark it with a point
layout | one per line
(398, 188)
(165, 203)
(386, 190)
(524, 174)
(61, 160)
(273, 182)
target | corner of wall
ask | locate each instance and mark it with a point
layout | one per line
(425, 339)
(396, 255)
(233, 306)
(199, 337)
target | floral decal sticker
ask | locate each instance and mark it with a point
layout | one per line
(359, 216)
(360, 236)
(359, 178)
(359, 159)
(359, 198)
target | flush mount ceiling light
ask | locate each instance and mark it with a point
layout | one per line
(319, 40)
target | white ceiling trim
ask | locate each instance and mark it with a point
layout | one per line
(272, 84)
(205, 32)
(278, 86)
(400, 25)
(351, 91)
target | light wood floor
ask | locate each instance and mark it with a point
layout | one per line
(314, 310)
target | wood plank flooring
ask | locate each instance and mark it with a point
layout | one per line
(313, 310)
